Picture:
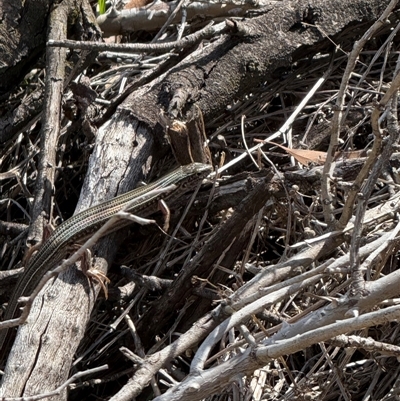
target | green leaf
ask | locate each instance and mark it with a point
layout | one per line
(102, 6)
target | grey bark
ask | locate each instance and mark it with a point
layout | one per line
(248, 55)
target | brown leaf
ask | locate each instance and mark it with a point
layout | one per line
(353, 154)
(305, 156)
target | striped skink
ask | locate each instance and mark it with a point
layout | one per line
(142, 202)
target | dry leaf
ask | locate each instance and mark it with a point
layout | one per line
(305, 156)
(353, 154)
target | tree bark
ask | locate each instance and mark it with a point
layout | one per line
(248, 55)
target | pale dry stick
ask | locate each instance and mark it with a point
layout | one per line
(375, 57)
(155, 362)
(329, 165)
(156, 271)
(319, 334)
(280, 380)
(333, 295)
(79, 254)
(169, 21)
(241, 316)
(331, 267)
(208, 382)
(245, 332)
(204, 218)
(161, 258)
(385, 61)
(251, 241)
(337, 378)
(131, 355)
(358, 283)
(284, 127)
(136, 339)
(289, 136)
(257, 385)
(373, 217)
(307, 256)
(289, 219)
(184, 342)
(367, 344)
(207, 32)
(393, 88)
(390, 302)
(59, 389)
(111, 328)
(197, 332)
(238, 301)
(245, 142)
(140, 350)
(171, 330)
(50, 123)
(377, 291)
(269, 332)
(317, 113)
(183, 24)
(392, 235)
(321, 364)
(167, 376)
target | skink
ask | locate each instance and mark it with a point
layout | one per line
(142, 202)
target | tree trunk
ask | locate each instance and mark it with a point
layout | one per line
(249, 55)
